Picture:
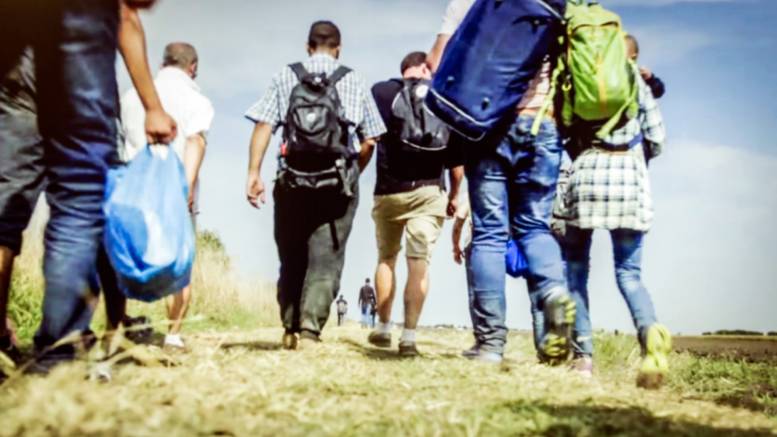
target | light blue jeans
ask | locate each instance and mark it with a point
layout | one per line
(627, 254)
(511, 190)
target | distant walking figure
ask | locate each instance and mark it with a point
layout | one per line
(342, 310)
(367, 303)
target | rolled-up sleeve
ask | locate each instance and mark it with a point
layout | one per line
(372, 125)
(201, 119)
(267, 109)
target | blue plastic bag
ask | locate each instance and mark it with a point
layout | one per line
(490, 61)
(515, 260)
(149, 236)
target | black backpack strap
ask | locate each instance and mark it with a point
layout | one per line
(299, 70)
(338, 74)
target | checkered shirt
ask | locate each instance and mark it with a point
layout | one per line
(360, 108)
(648, 121)
(611, 190)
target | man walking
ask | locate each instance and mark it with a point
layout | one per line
(512, 184)
(410, 195)
(323, 107)
(76, 108)
(367, 303)
(342, 309)
(193, 112)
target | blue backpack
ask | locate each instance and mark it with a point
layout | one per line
(149, 235)
(491, 59)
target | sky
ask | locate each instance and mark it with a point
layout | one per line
(710, 261)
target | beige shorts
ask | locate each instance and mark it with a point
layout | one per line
(419, 213)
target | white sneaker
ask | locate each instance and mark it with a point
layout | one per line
(174, 341)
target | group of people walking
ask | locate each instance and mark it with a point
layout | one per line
(332, 123)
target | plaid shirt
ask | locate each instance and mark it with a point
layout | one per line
(611, 190)
(360, 108)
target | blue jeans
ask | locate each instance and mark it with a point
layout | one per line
(627, 255)
(511, 191)
(77, 113)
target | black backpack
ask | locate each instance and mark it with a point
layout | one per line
(316, 128)
(417, 129)
(318, 147)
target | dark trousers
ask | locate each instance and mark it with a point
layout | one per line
(75, 43)
(311, 232)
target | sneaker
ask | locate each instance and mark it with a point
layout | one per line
(408, 349)
(471, 352)
(487, 357)
(559, 320)
(174, 343)
(657, 344)
(583, 366)
(290, 341)
(308, 339)
(380, 339)
(138, 329)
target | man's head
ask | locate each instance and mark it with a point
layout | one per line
(324, 37)
(181, 55)
(632, 47)
(367, 281)
(414, 66)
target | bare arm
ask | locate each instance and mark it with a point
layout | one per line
(366, 151)
(435, 55)
(160, 127)
(260, 140)
(456, 177)
(193, 155)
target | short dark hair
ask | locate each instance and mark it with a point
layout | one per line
(413, 59)
(367, 280)
(324, 34)
(179, 54)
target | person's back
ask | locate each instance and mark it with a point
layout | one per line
(193, 112)
(314, 208)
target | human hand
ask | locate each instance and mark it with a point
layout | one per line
(458, 254)
(160, 127)
(453, 205)
(645, 73)
(255, 193)
(191, 202)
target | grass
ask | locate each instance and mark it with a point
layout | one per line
(237, 381)
(240, 383)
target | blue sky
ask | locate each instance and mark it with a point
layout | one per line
(709, 262)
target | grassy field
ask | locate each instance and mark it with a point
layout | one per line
(240, 383)
(237, 381)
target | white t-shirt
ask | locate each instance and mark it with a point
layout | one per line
(181, 98)
(454, 15)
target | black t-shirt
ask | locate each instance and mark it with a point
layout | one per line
(400, 171)
(366, 295)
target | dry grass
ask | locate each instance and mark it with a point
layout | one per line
(241, 384)
(236, 381)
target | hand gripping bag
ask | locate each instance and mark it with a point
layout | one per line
(149, 236)
(515, 261)
(491, 59)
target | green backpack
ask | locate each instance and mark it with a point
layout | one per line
(598, 81)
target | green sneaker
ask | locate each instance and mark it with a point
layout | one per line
(556, 345)
(657, 345)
